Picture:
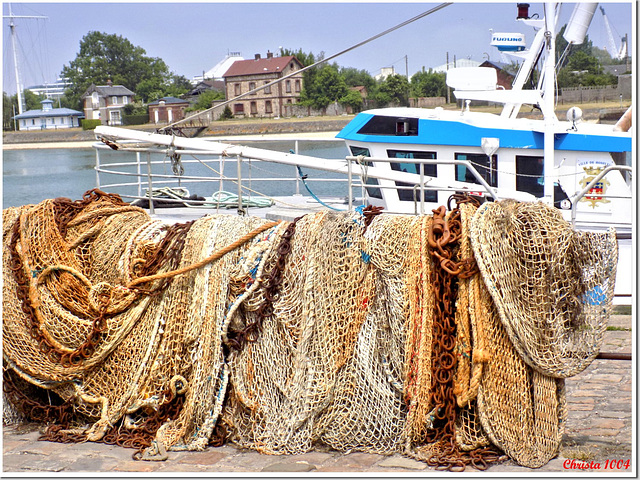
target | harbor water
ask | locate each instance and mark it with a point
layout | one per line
(33, 175)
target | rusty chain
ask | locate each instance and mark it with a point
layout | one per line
(443, 238)
(236, 339)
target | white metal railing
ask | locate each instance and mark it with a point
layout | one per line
(146, 178)
(422, 185)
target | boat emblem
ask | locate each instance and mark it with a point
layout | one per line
(600, 188)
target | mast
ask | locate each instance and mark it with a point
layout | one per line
(12, 27)
(549, 101)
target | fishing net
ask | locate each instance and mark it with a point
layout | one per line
(358, 331)
(552, 285)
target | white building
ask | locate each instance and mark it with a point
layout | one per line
(52, 90)
(48, 118)
(462, 62)
(385, 72)
(217, 72)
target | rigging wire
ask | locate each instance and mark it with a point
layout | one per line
(324, 60)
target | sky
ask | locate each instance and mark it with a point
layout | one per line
(192, 37)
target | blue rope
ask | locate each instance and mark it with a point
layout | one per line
(304, 181)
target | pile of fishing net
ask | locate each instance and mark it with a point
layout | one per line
(445, 337)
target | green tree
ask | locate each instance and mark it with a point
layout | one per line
(428, 84)
(8, 104)
(393, 90)
(206, 99)
(103, 56)
(355, 78)
(32, 101)
(352, 99)
(326, 87)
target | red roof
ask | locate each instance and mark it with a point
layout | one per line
(259, 66)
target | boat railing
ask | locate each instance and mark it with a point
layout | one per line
(145, 178)
(422, 186)
(592, 184)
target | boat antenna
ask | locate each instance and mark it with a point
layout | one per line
(169, 127)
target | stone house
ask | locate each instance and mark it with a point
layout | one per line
(106, 103)
(48, 118)
(246, 75)
(167, 110)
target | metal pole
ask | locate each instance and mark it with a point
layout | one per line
(239, 163)
(421, 188)
(139, 168)
(297, 174)
(97, 168)
(150, 183)
(349, 183)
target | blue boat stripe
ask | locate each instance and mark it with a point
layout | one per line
(441, 132)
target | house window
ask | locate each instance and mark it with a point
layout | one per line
(114, 100)
(297, 86)
(530, 175)
(254, 108)
(267, 89)
(238, 109)
(238, 89)
(288, 86)
(252, 86)
(114, 117)
(267, 107)
(487, 170)
(125, 100)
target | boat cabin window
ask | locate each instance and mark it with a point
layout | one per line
(530, 175)
(429, 170)
(383, 125)
(487, 169)
(371, 191)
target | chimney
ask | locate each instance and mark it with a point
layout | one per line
(109, 82)
(269, 54)
(257, 56)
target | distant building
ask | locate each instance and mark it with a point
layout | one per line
(384, 73)
(217, 72)
(203, 86)
(48, 118)
(505, 79)
(246, 75)
(106, 102)
(167, 110)
(52, 90)
(463, 62)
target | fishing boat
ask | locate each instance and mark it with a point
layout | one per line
(412, 159)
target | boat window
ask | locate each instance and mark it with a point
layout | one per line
(371, 191)
(429, 170)
(487, 169)
(383, 125)
(530, 175)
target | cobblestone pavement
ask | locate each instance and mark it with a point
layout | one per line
(599, 434)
